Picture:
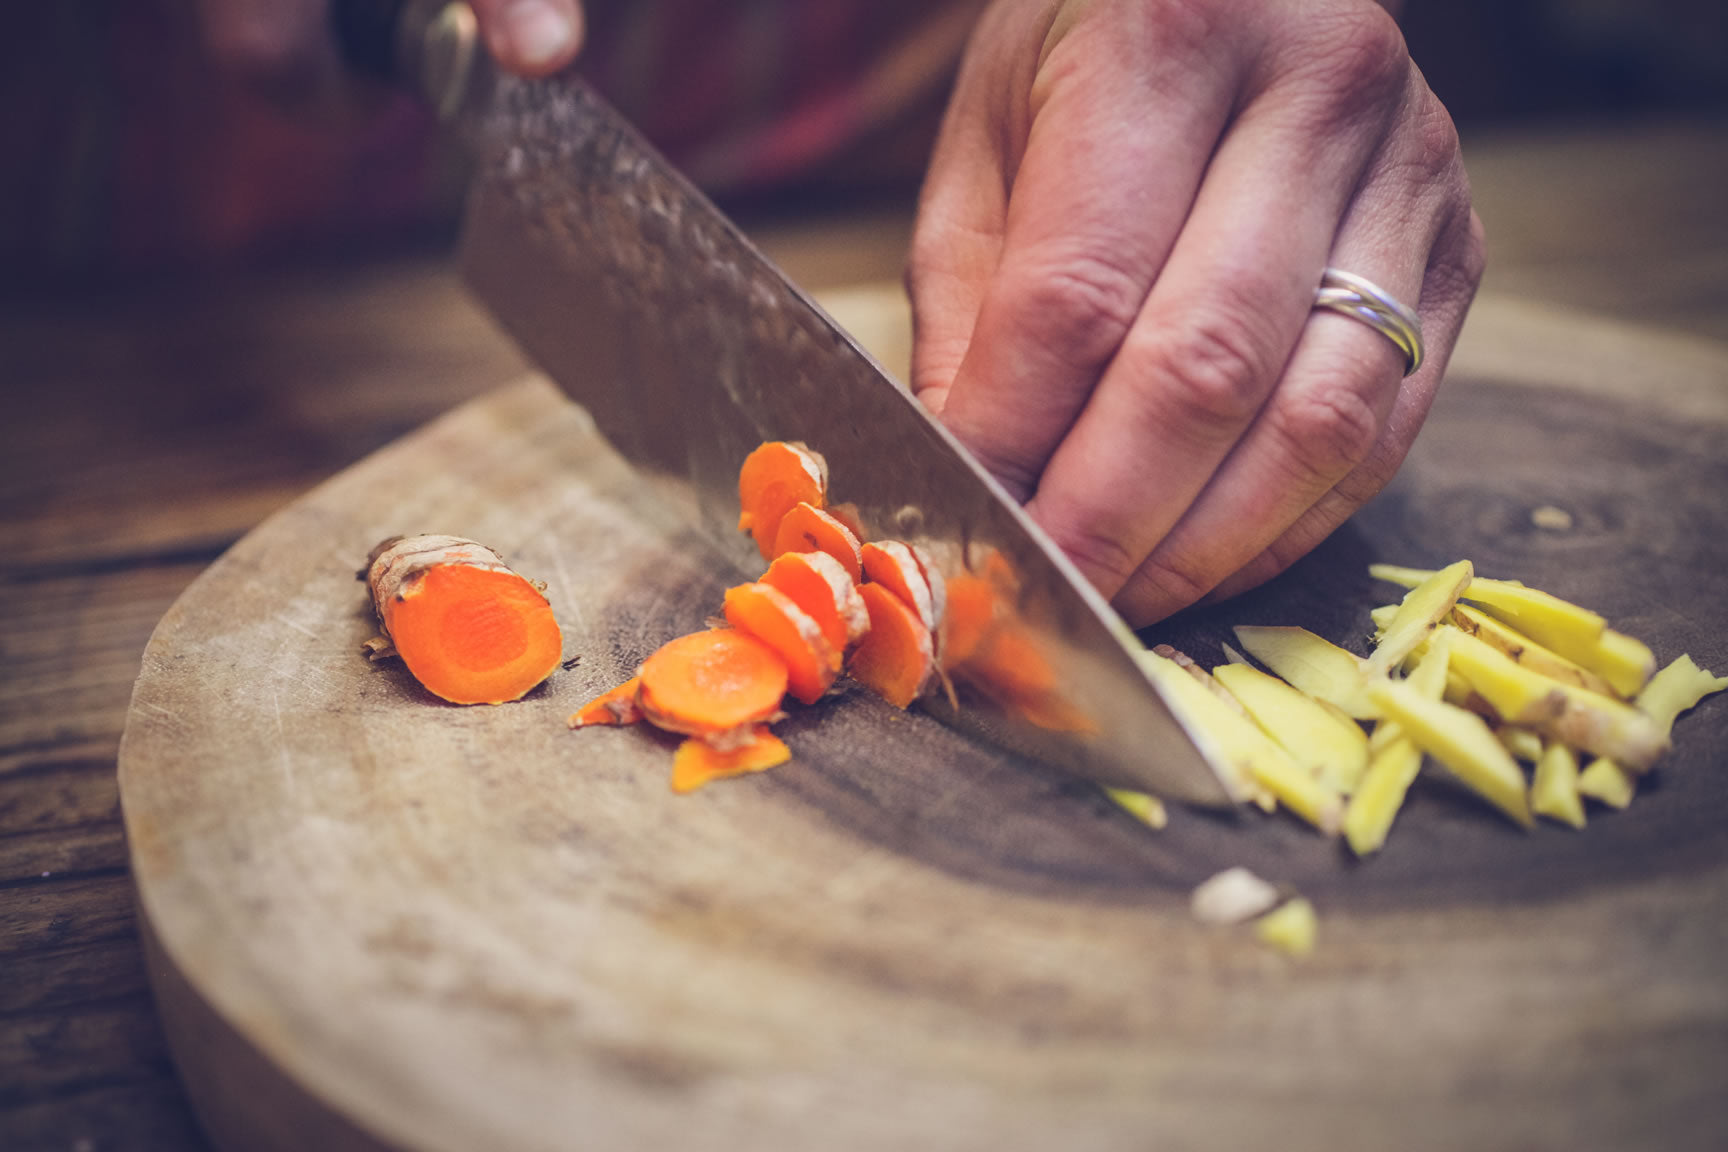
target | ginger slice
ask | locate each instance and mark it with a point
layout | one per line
(1325, 742)
(711, 682)
(469, 629)
(1312, 664)
(1460, 740)
(1554, 790)
(897, 657)
(774, 479)
(812, 664)
(698, 761)
(818, 584)
(617, 706)
(808, 528)
(1420, 612)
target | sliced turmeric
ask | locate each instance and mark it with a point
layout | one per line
(468, 628)
(895, 566)
(775, 478)
(698, 761)
(817, 583)
(617, 706)
(897, 658)
(765, 612)
(807, 528)
(712, 682)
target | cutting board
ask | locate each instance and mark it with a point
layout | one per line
(379, 921)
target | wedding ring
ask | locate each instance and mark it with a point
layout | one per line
(1375, 307)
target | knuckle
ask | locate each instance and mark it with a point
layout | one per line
(1327, 432)
(1357, 59)
(1105, 560)
(1078, 308)
(1209, 370)
(1172, 579)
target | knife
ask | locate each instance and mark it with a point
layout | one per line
(651, 309)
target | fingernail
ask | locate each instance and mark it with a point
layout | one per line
(541, 34)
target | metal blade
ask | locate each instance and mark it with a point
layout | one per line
(651, 309)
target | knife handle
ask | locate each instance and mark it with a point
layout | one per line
(429, 46)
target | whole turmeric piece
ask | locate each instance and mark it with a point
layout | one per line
(470, 630)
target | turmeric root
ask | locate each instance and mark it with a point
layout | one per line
(775, 478)
(896, 659)
(768, 614)
(469, 629)
(817, 583)
(711, 683)
(807, 528)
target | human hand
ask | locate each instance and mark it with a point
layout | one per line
(280, 43)
(1114, 269)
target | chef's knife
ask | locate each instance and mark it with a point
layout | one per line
(689, 348)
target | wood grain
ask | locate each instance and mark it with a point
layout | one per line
(453, 928)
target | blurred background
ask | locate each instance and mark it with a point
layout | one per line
(126, 152)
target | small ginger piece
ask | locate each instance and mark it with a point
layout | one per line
(1554, 791)
(1420, 612)
(1143, 806)
(1243, 755)
(469, 629)
(1679, 686)
(1326, 743)
(1292, 928)
(1608, 781)
(1461, 741)
(1312, 665)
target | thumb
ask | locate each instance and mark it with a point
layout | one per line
(530, 37)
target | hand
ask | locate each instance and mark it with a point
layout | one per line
(280, 43)
(1113, 276)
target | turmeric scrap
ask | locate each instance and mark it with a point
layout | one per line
(698, 761)
(469, 629)
(617, 706)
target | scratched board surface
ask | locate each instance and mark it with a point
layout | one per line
(398, 923)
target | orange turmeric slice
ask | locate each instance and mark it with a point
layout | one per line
(765, 612)
(817, 583)
(807, 528)
(698, 761)
(617, 706)
(895, 566)
(773, 479)
(711, 682)
(469, 629)
(896, 659)
(971, 614)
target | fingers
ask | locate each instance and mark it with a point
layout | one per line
(1446, 295)
(1098, 195)
(1342, 417)
(1193, 375)
(530, 37)
(281, 46)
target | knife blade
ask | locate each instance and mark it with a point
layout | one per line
(688, 347)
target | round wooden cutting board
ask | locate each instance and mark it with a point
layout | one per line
(378, 921)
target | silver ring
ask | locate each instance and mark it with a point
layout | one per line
(1375, 307)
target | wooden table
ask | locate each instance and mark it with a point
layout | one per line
(144, 432)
